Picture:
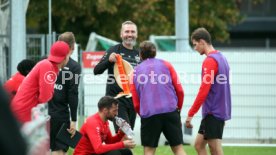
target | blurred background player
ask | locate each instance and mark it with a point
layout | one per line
(23, 69)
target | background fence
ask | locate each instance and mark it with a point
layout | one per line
(36, 46)
(4, 38)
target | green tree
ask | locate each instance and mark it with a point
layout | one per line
(152, 17)
(214, 15)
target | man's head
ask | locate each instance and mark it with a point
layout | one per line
(69, 38)
(129, 34)
(59, 53)
(201, 38)
(147, 50)
(25, 66)
(108, 106)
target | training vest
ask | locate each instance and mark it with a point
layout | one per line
(218, 101)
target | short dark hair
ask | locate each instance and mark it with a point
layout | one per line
(201, 33)
(107, 102)
(25, 66)
(147, 50)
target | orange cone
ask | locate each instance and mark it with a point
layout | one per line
(123, 77)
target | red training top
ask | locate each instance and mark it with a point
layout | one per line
(97, 137)
(12, 85)
(37, 87)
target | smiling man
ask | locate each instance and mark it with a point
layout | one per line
(129, 53)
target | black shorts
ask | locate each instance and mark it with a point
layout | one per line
(168, 123)
(211, 127)
(55, 144)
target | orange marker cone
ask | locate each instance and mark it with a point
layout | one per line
(123, 77)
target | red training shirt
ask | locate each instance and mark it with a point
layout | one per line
(12, 85)
(97, 137)
(37, 87)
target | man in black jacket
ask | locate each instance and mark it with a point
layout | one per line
(65, 97)
(128, 53)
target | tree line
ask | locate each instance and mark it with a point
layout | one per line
(155, 17)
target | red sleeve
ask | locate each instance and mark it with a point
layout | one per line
(135, 97)
(94, 136)
(177, 85)
(113, 139)
(10, 87)
(209, 70)
(47, 78)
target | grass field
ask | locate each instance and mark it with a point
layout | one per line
(228, 150)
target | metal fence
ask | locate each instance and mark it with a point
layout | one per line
(36, 46)
(168, 43)
(4, 57)
(4, 38)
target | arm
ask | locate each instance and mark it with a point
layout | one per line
(94, 136)
(73, 91)
(127, 143)
(177, 85)
(135, 96)
(73, 97)
(103, 64)
(210, 65)
(46, 83)
(116, 138)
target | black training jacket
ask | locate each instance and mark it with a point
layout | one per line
(66, 93)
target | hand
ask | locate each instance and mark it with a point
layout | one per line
(112, 57)
(72, 129)
(126, 138)
(188, 122)
(129, 144)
